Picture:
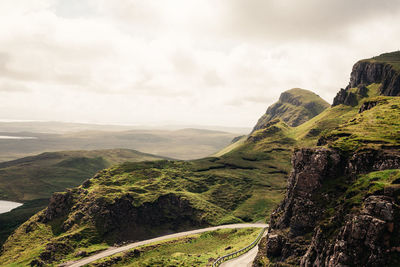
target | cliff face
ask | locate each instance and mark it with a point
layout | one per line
(294, 107)
(382, 70)
(317, 224)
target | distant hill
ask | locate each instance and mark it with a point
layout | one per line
(295, 106)
(180, 144)
(58, 127)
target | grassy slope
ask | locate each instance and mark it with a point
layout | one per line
(392, 58)
(32, 180)
(39, 176)
(194, 250)
(374, 128)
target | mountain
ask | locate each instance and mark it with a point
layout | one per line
(341, 207)
(32, 180)
(295, 106)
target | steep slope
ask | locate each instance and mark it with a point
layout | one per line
(341, 205)
(295, 106)
(32, 180)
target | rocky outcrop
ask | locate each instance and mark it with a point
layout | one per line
(367, 105)
(310, 168)
(113, 221)
(294, 107)
(350, 98)
(301, 232)
(123, 220)
(367, 72)
(363, 240)
(120, 220)
(60, 204)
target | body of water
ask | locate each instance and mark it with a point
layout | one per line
(6, 206)
(16, 137)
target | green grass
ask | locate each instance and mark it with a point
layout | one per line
(33, 180)
(370, 184)
(392, 58)
(11, 220)
(194, 250)
(374, 128)
(231, 147)
(37, 177)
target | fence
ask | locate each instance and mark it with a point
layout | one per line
(240, 252)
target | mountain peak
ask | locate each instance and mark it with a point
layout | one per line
(383, 70)
(295, 106)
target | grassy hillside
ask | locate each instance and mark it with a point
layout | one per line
(33, 180)
(39, 176)
(392, 58)
(194, 250)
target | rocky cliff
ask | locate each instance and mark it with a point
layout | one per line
(342, 205)
(320, 223)
(294, 107)
(383, 70)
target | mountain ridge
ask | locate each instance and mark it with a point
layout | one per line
(294, 107)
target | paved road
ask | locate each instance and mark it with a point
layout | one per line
(114, 250)
(246, 260)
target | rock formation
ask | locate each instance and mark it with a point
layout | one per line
(294, 107)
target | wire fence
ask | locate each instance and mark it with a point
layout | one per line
(240, 252)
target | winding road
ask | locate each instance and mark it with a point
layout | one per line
(114, 250)
(246, 260)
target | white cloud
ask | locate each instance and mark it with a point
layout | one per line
(205, 62)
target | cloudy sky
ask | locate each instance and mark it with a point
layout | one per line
(209, 62)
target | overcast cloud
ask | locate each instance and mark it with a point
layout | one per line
(178, 61)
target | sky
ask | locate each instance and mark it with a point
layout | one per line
(188, 62)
